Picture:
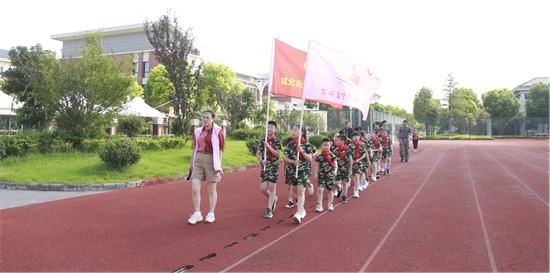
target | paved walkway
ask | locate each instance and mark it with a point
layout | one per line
(18, 198)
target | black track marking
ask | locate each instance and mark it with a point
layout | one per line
(211, 255)
(183, 269)
(280, 221)
(250, 236)
(229, 245)
(263, 229)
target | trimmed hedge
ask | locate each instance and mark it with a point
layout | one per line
(252, 145)
(47, 142)
(121, 153)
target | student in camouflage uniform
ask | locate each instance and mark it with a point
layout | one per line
(388, 135)
(289, 173)
(269, 175)
(359, 152)
(386, 152)
(344, 159)
(325, 171)
(300, 156)
(376, 147)
(366, 163)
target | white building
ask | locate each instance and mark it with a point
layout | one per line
(521, 90)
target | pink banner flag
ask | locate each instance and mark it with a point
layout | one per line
(335, 77)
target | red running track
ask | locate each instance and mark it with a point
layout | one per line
(455, 206)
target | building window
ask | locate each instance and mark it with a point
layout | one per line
(145, 69)
(526, 97)
(136, 70)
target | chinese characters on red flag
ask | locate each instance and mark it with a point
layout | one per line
(289, 68)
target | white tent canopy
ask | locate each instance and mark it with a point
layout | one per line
(8, 104)
(138, 107)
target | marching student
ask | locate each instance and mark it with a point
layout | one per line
(359, 152)
(301, 156)
(289, 173)
(333, 148)
(325, 171)
(386, 152)
(375, 145)
(366, 164)
(269, 176)
(345, 161)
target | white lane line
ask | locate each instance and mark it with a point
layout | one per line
(546, 170)
(377, 249)
(306, 223)
(544, 201)
(485, 233)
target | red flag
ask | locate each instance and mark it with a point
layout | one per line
(289, 70)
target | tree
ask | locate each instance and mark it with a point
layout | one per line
(239, 103)
(87, 92)
(449, 88)
(500, 103)
(536, 104)
(159, 88)
(216, 78)
(425, 107)
(24, 81)
(465, 103)
(172, 48)
(260, 114)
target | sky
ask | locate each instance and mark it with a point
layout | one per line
(407, 44)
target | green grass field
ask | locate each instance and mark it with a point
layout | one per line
(76, 168)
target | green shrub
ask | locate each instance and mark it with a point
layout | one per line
(316, 140)
(60, 146)
(121, 153)
(2, 149)
(131, 125)
(92, 145)
(246, 134)
(252, 145)
(282, 135)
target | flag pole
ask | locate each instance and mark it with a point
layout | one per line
(303, 105)
(269, 97)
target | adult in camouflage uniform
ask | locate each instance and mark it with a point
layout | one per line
(344, 158)
(270, 174)
(300, 156)
(325, 174)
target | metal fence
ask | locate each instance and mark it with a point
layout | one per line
(491, 127)
(336, 119)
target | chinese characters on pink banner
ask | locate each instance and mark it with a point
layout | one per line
(339, 96)
(292, 82)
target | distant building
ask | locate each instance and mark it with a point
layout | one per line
(121, 40)
(5, 62)
(521, 90)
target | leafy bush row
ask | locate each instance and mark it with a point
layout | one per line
(121, 153)
(47, 142)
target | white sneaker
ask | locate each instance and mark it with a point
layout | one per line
(361, 188)
(319, 207)
(297, 218)
(330, 206)
(373, 178)
(195, 217)
(355, 194)
(310, 188)
(210, 218)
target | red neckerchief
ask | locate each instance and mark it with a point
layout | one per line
(334, 145)
(385, 141)
(357, 150)
(340, 149)
(328, 157)
(269, 152)
(296, 142)
(374, 141)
